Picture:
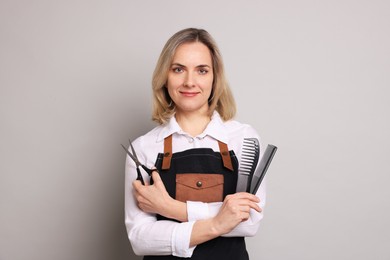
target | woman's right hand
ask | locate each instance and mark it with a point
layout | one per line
(155, 199)
(234, 210)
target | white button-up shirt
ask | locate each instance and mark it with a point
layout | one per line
(151, 237)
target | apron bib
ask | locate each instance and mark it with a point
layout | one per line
(200, 174)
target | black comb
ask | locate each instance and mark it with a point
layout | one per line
(249, 159)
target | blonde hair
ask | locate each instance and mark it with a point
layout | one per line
(221, 98)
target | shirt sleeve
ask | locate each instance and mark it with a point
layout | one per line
(147, 235)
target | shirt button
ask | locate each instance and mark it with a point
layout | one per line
(191, 140)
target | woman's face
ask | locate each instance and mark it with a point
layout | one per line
(190, 78)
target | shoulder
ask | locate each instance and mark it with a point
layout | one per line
(149, 138)
(237, 133)
(231, 129)
(149, 145)
(241, 130)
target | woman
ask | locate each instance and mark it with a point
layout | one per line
(196, 143)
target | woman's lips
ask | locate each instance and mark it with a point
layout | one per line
(189, 94)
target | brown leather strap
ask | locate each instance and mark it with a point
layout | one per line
(166, 163)
(224, 150)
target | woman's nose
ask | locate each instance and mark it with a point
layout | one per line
(189, 80)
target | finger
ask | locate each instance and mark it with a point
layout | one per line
(156, 176)
(241, 199)
(245, 217)
(248, 204)
(249, 196)
(238, 195)
(256, 207)
(137, 185)
(243, 213)
(245, 209)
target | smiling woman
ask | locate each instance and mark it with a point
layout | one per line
(191, 208)
(189, 85)
(221, 98)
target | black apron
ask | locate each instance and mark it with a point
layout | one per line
(203, 161)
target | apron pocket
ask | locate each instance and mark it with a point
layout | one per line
(199, 187)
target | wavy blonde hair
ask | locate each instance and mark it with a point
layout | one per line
(221, 98)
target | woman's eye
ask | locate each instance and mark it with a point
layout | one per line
(203, 71)
(177, 70)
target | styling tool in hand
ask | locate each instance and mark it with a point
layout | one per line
(263, 167)
(137, 163)
(249, 159)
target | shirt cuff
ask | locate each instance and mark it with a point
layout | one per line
(197, 210)
(181, 237)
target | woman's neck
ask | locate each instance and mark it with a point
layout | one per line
(193, 123)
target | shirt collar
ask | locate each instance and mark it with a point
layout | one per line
(215, 129)
(169, 128)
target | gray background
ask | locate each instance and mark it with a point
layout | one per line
(311, 76)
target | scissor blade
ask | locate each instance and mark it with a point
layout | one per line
(133, 151)
(131, 156)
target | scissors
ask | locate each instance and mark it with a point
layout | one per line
(137, 163)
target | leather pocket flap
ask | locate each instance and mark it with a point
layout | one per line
(199, 187)
(199, 181)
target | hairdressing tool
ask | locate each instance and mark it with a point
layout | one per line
(137, 163)
(249, 159)
(263, 167)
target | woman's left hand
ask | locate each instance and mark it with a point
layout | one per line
(155, 199)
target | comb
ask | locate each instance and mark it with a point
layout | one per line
(263, 167)
(249, 159)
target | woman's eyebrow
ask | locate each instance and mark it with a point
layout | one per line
(177, 64)
(199, 66)
(203, 66)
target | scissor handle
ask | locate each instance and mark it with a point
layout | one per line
(139, 176)
(149, 171)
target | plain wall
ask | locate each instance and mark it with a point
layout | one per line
(313, 77)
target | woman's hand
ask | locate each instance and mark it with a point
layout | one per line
(155, 199)
(234, 210)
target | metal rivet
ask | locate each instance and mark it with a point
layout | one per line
(199, 184)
